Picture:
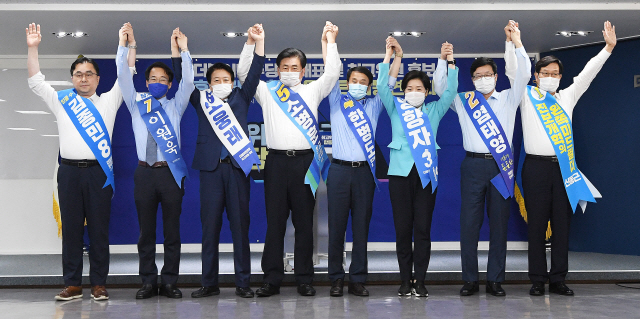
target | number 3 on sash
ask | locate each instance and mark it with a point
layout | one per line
(283, 93)
(147, 102)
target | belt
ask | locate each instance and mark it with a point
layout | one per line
(155, 165)
(544, 158)
(348, 163)
(290, 152)
(80, 163)
(480, 155)
(226, 160)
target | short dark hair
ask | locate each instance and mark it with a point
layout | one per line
(161, 65)
(84, 59)
(482, 62)
(292, 52)
(546, 61)
(219, 66)
(362, 70)
(415, 74)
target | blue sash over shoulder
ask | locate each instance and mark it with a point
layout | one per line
(362, 130)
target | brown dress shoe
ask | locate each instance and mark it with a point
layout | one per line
(99, 293)
(70, 293)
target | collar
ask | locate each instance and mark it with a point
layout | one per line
(163, 100)
(495, 95)
(94, 97)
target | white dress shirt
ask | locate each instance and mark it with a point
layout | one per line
(536, 140)
(504, 104)
(281, 133)
(72, 145)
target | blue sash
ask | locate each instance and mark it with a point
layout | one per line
(88, 121)
(301, 116)
(159, 125)
(226, 126)
(423, 145)
(492, 134)
(362, 130)
(560, 133)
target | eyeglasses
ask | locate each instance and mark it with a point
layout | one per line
(484, 76)
(80, 75)
(546, 74)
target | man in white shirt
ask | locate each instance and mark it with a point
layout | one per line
(544, 187)
(81, 177)
(287, 163)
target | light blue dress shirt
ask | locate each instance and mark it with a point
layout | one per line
(345, 146)
(401, 161)
(174, 108)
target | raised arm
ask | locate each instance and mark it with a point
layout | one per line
(446, 100)
(397, 60)
(386, 93)
(186, 85)
(332, 66)
(583, 80)
(440, 76)
(523, 67)
(33, 41)
(125, 78)
(252, 80)
(246, 58)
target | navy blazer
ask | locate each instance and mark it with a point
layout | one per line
(209, 146)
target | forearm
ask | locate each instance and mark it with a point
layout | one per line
(385, 93)
(131, 57)
(324, 51)
(33, 64)
(260, 48)
(246, 58)
(125, 79)
(395, 67)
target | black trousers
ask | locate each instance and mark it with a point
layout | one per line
(476, 188)
(412, 208)
(284, 191)
(225, 187)
(153, 186)
(546, 199)
(349, 189)
(82, 196)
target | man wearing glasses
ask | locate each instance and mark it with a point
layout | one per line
(553, 185)
(85, 177)
(486, 174)
(159, 177)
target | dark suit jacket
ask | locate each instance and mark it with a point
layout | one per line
(209, 146)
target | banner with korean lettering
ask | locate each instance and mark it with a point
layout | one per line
(560, 133)
(360, 126)
(88, 121)
(226, 126)
(158, 124)
(490, 131)
(446, 217)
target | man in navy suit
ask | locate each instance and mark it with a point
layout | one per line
(223, 183)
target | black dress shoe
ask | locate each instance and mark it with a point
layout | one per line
(206, 292)
(337, 287)
(560, 288)
(537, 289)
(170, 291)
(147, 291)
(267, 290)
(358, 289)
(469, 288)
(244, 292)
(495, 288)
(405, 288)
(306, 290)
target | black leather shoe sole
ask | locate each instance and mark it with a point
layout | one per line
(197, 294)
(171, 295)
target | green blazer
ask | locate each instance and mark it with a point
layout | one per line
(401, 160)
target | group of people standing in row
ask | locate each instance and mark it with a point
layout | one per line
(297, 162)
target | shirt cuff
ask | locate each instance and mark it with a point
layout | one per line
(185, 55)
(36, 79)
(509, 46)
(522, 51)
(604, 54)
(248, 49)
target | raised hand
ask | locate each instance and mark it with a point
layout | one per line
(122, 36)
(128, 29)
(182, 41)
(331, 34)
(388, 47)
(515, 34)
(256, 33)
(327, 28)
(174, 39)
(395, 45)
(609, 34)
(446, 50)
(33, 35)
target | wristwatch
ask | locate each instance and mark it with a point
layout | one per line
(132, 46)
(452, 62)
